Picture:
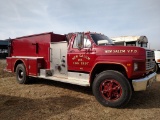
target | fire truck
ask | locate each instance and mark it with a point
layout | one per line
(85, 59)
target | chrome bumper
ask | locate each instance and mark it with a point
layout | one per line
(143, 83)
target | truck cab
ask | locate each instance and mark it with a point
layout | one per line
(87, 59)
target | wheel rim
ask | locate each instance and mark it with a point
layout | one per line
(111, 90)
(20, 74)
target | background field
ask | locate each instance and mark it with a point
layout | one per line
(44, 99)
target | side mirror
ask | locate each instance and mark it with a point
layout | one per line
(80, 39)
(87, 43)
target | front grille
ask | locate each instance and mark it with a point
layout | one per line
(149, 54)
(150, 59)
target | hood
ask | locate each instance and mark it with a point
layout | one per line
(121, 50)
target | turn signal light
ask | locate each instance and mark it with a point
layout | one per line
(128, 64)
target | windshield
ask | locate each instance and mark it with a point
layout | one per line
(101, 39)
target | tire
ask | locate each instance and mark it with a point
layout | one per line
(21, 74)
(112, 89)
(156, 68)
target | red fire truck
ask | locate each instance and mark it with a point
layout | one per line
(86, 59)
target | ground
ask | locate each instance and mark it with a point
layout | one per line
(48, 100)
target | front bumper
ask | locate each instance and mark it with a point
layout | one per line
(143, 83)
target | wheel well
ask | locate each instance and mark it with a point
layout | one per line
(17, 62)
(103, 67)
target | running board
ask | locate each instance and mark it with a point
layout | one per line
(74, 81)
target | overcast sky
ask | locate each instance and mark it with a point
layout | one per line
(110, 17)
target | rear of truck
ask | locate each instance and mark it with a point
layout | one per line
(30, 54)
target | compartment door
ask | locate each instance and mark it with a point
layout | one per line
(58, 54)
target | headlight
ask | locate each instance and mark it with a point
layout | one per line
(135, 66)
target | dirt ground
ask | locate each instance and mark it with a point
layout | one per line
(49, 100)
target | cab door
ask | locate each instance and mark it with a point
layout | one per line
(81, 57)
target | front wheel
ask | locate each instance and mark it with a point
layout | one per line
(112, 89)
(21, 74)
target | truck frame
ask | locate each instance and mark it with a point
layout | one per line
(86, 59)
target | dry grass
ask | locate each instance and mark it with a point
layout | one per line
(2, 73)
(49, 100)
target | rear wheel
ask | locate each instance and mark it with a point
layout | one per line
(21, 74)
(112, 89)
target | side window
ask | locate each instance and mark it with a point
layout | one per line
(131, 44)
